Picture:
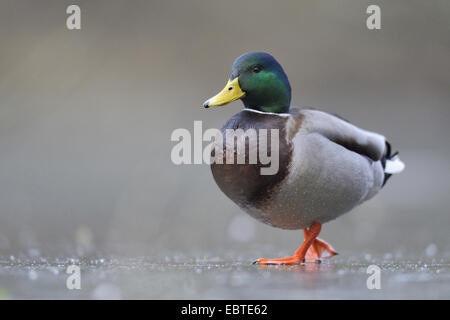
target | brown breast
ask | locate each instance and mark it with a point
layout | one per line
(243, 183)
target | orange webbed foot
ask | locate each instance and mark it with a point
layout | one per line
(312, 249)
(282, 261)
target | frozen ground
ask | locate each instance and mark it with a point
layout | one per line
(181, 277)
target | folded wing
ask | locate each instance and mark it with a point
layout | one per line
(369, 144)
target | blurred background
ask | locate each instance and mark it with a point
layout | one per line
(86, 118)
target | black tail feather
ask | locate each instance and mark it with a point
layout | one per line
(387, 156)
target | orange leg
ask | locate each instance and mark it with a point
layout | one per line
(319, 249)
(299, 255)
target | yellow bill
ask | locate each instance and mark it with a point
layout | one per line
(231, 92)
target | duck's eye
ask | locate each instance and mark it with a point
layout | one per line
(256, 69)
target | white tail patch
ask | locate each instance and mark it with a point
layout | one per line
(395, 165)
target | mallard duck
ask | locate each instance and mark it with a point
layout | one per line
(327, 166)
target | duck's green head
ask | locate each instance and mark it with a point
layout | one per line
(259, 81)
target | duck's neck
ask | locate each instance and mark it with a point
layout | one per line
(273, 97)
(271, 108)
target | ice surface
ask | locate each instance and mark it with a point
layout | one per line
(181, 277)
